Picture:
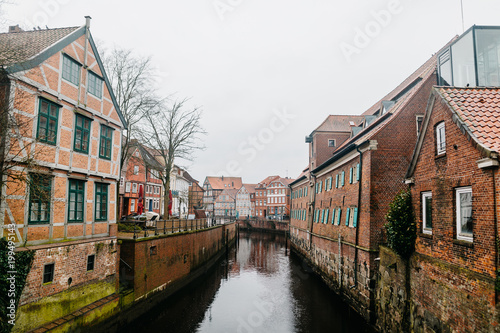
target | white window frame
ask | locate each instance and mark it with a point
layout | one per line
(461, 235)
(136, 169)
(132, 205)
(127, 187)
(440, 138)
(425, 228)
(134, 187)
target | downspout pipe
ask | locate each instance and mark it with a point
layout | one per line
(495, 222)
(313, 205)
(357, 217)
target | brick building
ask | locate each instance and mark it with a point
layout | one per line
(261, 197)
(195, 194)
(339, 205)
(278, 198)
(66, 208)
(454, 181)
(140, 169)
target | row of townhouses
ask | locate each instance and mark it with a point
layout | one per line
(438, 134)
(228, 196)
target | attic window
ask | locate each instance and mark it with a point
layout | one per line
(419, 119)
(440, 139)
(331, 143)
(351, 123)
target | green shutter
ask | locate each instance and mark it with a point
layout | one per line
(320, 186)
(336, 181)
(322, 215)
(355, 222)
(342, 177)
(348, 211)
(333, 215)
(358, 172)
(350, 175)
(339, 214)
(326, 216)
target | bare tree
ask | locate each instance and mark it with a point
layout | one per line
(132, 79)
(175, 135)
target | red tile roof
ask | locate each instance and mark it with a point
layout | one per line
(339, 123)
(478, 109)
(221, 183)
(16, 47)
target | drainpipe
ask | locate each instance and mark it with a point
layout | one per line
(495, 222)
(313, 205)
(87, 33)
(357, 217)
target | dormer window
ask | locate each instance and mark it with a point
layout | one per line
(331, 143)
(440, 139)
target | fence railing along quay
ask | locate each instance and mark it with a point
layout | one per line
(145, 228)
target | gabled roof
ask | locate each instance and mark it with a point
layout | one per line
(189, 178)
(19, 47)
(266, 181)
(231, 192)
(339, 123)
(284, 181)
(20, 51)
(474, 110)
(221, 183)
(249, 187)
(149, 159)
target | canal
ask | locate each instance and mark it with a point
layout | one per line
(258, 287)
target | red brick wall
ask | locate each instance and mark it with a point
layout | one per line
(441, 175)
(70, 262)
(175, 257)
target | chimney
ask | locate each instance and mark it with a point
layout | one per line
(15, 28)
(87, 21)
(222, 177)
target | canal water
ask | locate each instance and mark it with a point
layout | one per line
(258, 287)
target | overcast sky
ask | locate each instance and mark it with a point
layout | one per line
(267, 73)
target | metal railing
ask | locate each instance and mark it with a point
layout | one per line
(145, 228)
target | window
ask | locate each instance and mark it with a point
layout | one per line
(326, 216)
(134, 187)
(331, 143)
(358, 172)
(351, 174)
(71, 70)
(90, 262)
(347, 216)
(136, 169)
(127, 187)
(339, 214)
(336, 181)
(106, 142)
(153, 250)
(101, 201)
(95, 85)
(48, 114)
(76, 198)
(333, 215)
(132, 205)
(420, 120)
(82, 133)
(48, 273)
(427, 212)
(39, 199)
(440, 139)
(342, 177)
(464, 213)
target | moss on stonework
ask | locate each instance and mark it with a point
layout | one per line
(50, 308)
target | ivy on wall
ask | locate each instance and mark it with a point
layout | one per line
(14, 268)
(401, 228)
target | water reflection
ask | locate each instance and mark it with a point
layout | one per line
(257, 288)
